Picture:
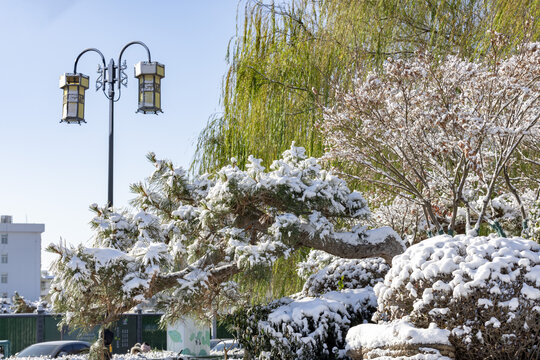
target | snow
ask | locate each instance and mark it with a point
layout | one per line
(347, 274)
(104, 257)
(327, 305)
(186, 212)
(471, 261)
(493, 322)
(76, 264)
(433, 355)
(376, 236)
(163, 355)
(312, 326)
(534, 275)
(512, 304)
(150, 254)
(394, 333)
(315, 261)
(484, 290)
(530, 292)
(133, 282)
(485, 303)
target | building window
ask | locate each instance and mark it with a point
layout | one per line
(3, 278)
(4, 238)
(3, 259)
(4, 295)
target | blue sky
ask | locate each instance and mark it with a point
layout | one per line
(50, 172)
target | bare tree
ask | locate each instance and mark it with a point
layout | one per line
(436, 132)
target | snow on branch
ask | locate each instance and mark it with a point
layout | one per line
(187, 238)
(433, 131)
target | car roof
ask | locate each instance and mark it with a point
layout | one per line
(63, 342)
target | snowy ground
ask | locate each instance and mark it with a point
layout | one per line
(162, 355)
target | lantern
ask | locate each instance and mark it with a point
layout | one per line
(149, 75)
(74, 86)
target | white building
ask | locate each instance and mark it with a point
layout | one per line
(20, 258)
(46, 281)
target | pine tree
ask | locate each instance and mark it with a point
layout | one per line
(192, 244)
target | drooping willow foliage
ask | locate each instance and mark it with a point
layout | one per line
(288, 58)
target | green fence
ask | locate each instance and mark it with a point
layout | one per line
(26, 329)
(19, 330)
(152, 334)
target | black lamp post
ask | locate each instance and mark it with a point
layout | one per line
(75, 84)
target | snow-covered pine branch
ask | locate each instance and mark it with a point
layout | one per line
(188, 237)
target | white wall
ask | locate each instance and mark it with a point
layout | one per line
(24, 259)
(188, 336)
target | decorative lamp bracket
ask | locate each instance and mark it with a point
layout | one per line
(99, 80)
(123, 75)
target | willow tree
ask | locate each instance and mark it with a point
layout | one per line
(287, 59)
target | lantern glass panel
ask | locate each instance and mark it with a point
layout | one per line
(74, 87)
(72, 109)
(81, 111)
(149, 75)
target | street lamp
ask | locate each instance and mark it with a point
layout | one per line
(149, 75)
(75, 84)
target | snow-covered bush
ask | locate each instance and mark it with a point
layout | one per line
(313, 324)
(485, 290)
(316, 260)
(19, 305)
(305, 328)
(399, 340)
(5, 306)
(346, 274)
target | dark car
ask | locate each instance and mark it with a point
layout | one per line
(55, 349)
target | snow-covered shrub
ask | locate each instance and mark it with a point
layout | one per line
(346, 274)
(399, 340)
(20, 305)
(485, 290)
(5, 306)
(313, 324)
(153, 354)
(315, 261)
(305, 328)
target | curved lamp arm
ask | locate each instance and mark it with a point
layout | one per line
(124, 49)
(102, 59)
(85, 51)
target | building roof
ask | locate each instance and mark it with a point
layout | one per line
(22, 228)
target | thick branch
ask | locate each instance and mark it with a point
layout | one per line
(383, 242)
